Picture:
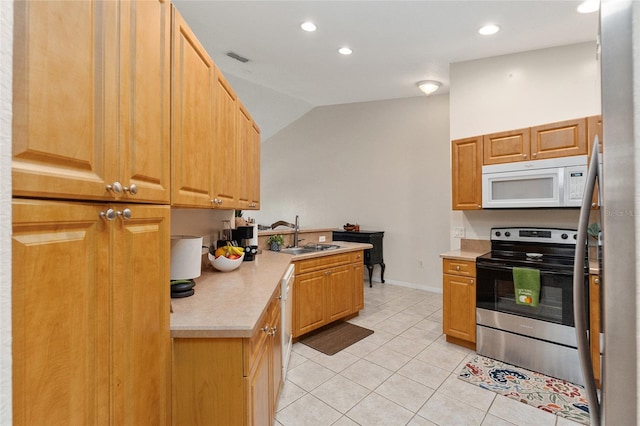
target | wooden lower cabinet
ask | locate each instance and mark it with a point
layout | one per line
(229, 381)
(90, 314)
(331, 288)
(459, 302)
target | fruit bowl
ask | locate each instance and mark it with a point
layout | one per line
(225, 264)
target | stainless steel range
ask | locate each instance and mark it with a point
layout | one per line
(540, 338)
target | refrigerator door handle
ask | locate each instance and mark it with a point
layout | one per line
(579, 308)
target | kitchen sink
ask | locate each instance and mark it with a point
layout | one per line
(309, 248)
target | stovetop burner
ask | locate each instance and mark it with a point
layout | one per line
(542, 248)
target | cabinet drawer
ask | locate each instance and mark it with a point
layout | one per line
(310, 265)
(459, 267)
(357, 257)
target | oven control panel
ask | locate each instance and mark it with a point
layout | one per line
(535, 235)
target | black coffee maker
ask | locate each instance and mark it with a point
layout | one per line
(241, 234)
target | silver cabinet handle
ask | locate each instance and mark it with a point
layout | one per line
(471, 282)
(273, 331)
(115, 187)
(534, 155)
(596, 280)
(110, 214)
(524, 155)
(265, 329)
(124, 214)
(457, 267)
(131, 189)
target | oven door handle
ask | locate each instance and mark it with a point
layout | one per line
(579, 307)
(505, 267)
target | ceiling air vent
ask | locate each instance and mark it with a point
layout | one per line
(237, 57)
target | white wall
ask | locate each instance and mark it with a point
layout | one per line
(6, 52)
(521, 90)
(383, 165)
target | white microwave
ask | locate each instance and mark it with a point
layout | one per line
(556, 182)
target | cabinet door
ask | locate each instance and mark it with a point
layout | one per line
(145, 81)
(594, 128)
(258, 388)
(64, 99)
(309, 310)
(459, 307)
(140, 325)
(559, 139)
(466, 173)
(506, 147)
(192, 118)
(249, 160)
(227, 171)
(276, 356)
(358, 286)
(340, 289)
(254, 167)
(60, 314)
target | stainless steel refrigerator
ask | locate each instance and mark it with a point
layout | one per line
(619, 178)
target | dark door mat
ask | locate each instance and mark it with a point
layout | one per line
(333, 338)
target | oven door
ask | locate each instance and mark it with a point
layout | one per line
(495, 292)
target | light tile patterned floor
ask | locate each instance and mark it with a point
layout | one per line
(403, 374)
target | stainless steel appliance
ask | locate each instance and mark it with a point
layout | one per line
(540, 338)
(286, 311)
(554, 182)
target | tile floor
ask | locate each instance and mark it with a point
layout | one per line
(405, 373)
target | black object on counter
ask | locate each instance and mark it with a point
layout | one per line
(182, 288)
(371, 256)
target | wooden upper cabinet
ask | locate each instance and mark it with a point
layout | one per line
(466, 173)
(226, 171)
(506, 147)
(64, 99)
(89, 113)
(594, 127)
(145, 78)
(561, 139)
(254, 167)
(192, 129)
(249, 160)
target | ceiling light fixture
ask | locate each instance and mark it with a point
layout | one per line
(345, 51)
(489, 29)
(589, 6)
(308, 26)
(428, 86)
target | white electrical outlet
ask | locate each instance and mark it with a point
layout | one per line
(322, 239)
(458, 232)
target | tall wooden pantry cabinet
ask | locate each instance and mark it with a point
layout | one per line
(91, 214)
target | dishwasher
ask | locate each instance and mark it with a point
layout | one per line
(287, 316)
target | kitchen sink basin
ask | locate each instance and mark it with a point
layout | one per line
(309, 248)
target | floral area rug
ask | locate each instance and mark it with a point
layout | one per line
(546, 393)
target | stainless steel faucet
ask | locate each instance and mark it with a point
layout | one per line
(295, 226)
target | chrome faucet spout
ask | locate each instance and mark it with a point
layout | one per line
(295, 226)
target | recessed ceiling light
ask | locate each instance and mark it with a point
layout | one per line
(489, 29)
(345, 51)
(589, 6)
(308, 26)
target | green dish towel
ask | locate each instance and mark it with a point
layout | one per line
(526, 283)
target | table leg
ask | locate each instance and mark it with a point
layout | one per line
(370, 268)
(382, 271)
